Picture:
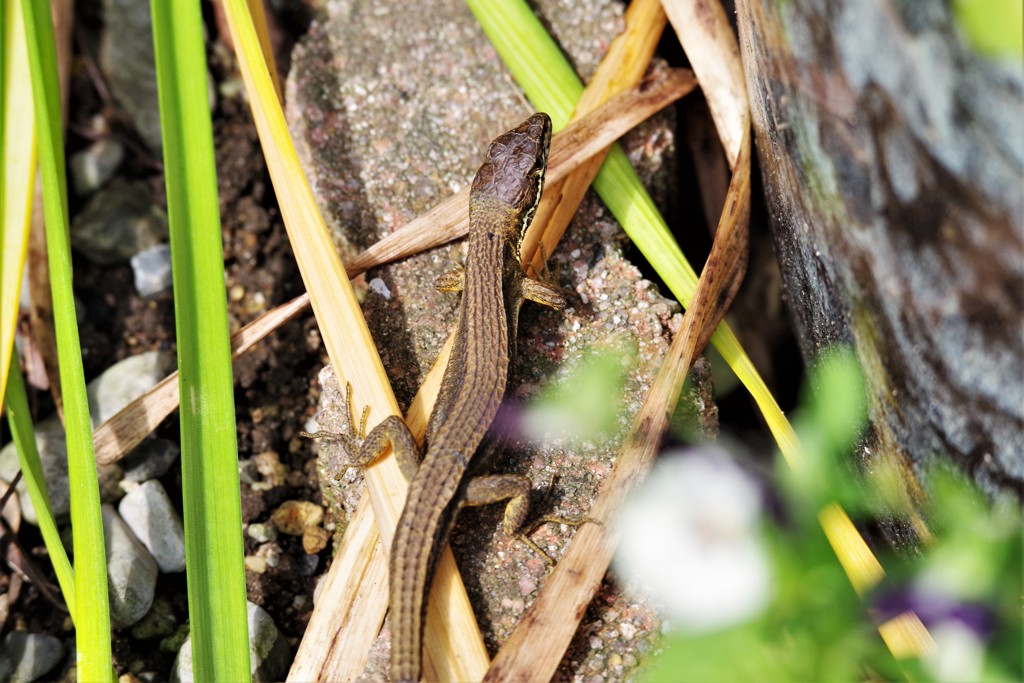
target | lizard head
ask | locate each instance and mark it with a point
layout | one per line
(513, 173)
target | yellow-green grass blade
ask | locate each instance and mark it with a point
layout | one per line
(259, 23)
(209, 453)
(93, 625)
(17, 172)
(20, 422)
(550, 83)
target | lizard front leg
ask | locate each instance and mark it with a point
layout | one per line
(532, 289)
(392, 431)
(362, 450)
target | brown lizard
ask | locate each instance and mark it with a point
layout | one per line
(503, 200)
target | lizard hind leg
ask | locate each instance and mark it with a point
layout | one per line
(515, 488)
(543, 293)
(540, 286)
(574, 522)
(494, 488)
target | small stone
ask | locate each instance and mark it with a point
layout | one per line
(293, 517)
(152, 270)
(296, 479)
(173, 642)
(93, 166)
(110, 477)
(126, 59)
(271, 553)
(232, 88)
(314, 539)
(269, 653)
(378, 286)
(26, 657)
(627, 630)
(123, 382)
(131, 571)
(246, 472)
(118, 222)
(159, 621)
(150, 459)
(256, 564)
(53, 456)
(262, 533)
(149, 513)
(268, 464)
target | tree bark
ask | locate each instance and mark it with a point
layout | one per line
(893, 163)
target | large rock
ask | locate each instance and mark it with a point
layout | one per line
(893, 167)
(392, 111)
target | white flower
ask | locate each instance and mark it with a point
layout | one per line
(958, 655)
(689, 536)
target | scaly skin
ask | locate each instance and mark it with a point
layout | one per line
(503, 199)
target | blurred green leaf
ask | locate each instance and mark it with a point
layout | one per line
(993, 27)
(837, 406)
(832, 415)
(582, 405)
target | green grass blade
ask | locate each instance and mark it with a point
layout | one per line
(209, 452)
(20, 421)
(93, 626)
(550, 83)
